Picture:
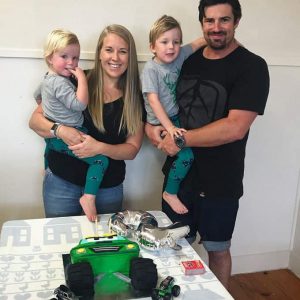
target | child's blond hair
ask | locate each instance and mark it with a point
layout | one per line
(58, 39)
(160, 26)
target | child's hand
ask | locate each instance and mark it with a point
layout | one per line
(175, 131)
(78, 73)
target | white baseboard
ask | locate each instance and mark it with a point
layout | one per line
(294, 264)
(255, 262)
(260, 262)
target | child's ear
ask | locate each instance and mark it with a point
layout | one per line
(49, 60)
(152, 48)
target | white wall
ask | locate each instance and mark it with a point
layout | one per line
(267, 214)
(267, 229)
(294, 262)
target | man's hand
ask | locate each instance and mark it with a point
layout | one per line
(154, 133)
(168, 146)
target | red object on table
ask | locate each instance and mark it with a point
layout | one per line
(192, 267)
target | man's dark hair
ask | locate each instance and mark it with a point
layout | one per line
(235, 4)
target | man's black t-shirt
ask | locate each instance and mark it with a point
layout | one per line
(74, 170)
(206, 91)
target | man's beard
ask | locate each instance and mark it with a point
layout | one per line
(218, 44)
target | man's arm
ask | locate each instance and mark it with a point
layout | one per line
(154, 133)
(223, 131)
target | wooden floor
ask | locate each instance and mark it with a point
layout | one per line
(268, 285)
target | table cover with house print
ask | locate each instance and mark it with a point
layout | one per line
(31, 265)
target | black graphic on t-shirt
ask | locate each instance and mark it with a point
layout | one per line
(201, 101)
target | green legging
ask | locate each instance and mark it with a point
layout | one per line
(179, 167)
(97, 164)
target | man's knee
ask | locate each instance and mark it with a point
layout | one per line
(219, 258)
(212, 246)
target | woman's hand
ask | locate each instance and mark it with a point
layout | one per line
(87, 147)
(125, 151)
(69, 135)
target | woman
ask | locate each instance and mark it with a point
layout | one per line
(115, 129)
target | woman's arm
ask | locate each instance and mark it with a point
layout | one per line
(42, 127)
(126, 151)
(40, 124)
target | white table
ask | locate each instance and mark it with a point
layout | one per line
(31, 265)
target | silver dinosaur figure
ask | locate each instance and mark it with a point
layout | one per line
(143, 227)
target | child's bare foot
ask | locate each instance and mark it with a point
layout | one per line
(175, 203)
(87, 203)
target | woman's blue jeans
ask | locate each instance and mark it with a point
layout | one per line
(61, 198)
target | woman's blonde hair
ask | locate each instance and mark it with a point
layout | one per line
(161, 25)
(58, 39)
(129, 84)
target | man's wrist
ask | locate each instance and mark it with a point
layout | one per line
(180, 141)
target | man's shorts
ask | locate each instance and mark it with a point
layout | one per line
(212, 217)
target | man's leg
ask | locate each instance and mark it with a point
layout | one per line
(220, 265)
(216, 223)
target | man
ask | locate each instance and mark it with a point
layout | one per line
(221, 90)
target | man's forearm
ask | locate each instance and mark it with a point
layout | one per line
(221, 132)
